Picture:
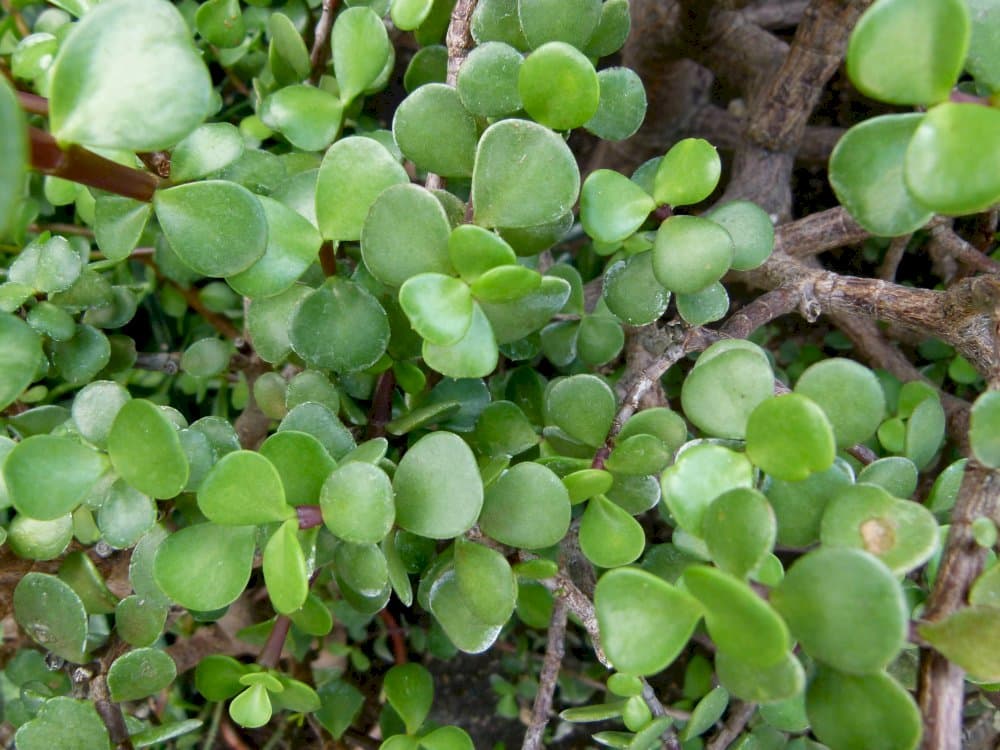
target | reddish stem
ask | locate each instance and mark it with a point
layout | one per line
(87, 168)
(310, 516)
(381, 413)
(395, 634)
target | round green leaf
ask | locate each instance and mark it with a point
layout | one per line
(208, 149)
(182, 559)
(460, 624)
(121, 221)
(361, 50)
(559, 86)
(622, 106)
(340, 326)
(475, 355)
(497, 21)
(357, 503)
(317, 420)
(751, 682)
(525, 175)
(487, 80)
(739, 621)
(506, 283)
(286, 573)
(644, 621)
(691, 253)
(64, 723)
(292, 246)
(704, 306)
(395, 250)
(13, 155)
(720, 393)
(269, 321)
(217, 228)
(409, 688)
(639, 455)
(688, 173)
(984, 430)
(39, 540)
(486, 580)
(849, 394)
(880, 59)
(631, 291)
(845, 607)
(107, 83)
(612, 207)
(409, 14)
(428, 65)
(438, 490)
(609, 536)
(583, 406)
(125, 516)
(50, 265)
(243, 489)
(307, 116)
(355, 170)
(421, 119)
(951, 163)
(447, 738)
(221, 22)
(439, 307)
(52, 614)
(856, 711)
(526, 507)
(302, 463)
(790, 437)
(612, 30)
(700, 474)
(570, 21)
(48, 476)
(866, 173)
(145, 450)
(206, 357)
(503, 429)
(140, 673)
(751, 229)
(20, 351)
(80, 358)
(139, 621)
(902, 534)
(739, 530)
(896, 474)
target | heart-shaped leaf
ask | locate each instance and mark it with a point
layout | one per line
(64, 722)
(688, 173)
(700, 474)
(790, 437)
(609, 536)
(644, 621)
(107, 83)
(475, 355)
(845, 607)
(526, 507)
(583, 406)
(409, 688)
(140, 673)
(216, 227)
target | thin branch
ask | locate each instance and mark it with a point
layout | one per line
(33, 104)
(395, 634)
(10, 10)
(270, 655)
(946, 239)
(321, 42)
(940, 689)
(220, 323)
(893, 256)
(739, 715)
(310, 516)
(776, 14)
(381, 412)
(554, 650)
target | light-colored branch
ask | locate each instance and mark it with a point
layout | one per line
(554, 650)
